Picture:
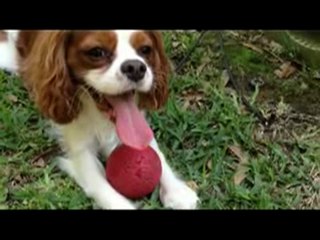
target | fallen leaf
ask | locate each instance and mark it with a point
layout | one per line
(286, 70)
(201, 67)
(264, 41)
(225, 78)
(255, 38)
(3, 194)
(252, 47)
(240, 175)
(316, 75)
(3, 207)
(204, 143)
(175, 44)
(241, 170)
(12, 98)
(236, 151)
(40, 159)
(16, 181)
(19, 180)
(192, 99)
(39, 163)
(272, 48)
(205, 61)
(193, 185)
(209, 164)
(5, 171)
(186, 105)
(234, 33)
(276, 47)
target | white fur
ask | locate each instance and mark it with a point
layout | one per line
(92, 133)
(8, 52)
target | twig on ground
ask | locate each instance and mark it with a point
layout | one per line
(238, 88)
(192, 49)
(53, 149)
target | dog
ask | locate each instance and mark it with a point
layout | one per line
(95, 87)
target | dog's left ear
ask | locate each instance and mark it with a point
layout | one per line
(159, 93)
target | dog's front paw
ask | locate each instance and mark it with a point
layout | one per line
(178, 196)
(118, 203)
(125, 205)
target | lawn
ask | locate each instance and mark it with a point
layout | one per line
(232, 158)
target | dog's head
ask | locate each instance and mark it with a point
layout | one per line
(56, 64)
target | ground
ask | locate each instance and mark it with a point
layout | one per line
(231, 157)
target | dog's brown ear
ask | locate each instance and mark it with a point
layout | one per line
(158, 95)
(3, 36)
(44, 68)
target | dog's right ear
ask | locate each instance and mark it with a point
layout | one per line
(43, 67)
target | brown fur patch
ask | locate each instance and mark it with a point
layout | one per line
(140, 39)
(159, 63)
(83, 41)
(3, 36)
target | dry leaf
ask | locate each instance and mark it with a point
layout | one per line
(275, 47)
(3, 207)
(18, 180)
(240, 175)
(316, 75)
(175, 44)
(255, 38)
(252, 47)
(236, 151)
(12, 98)
(193, 185)
(5, 171)
(204, 143)
(285, 71)
(209, 164)
(186, 105)
(39, 163)
(192, 99)
(264, 41)
(225, 78)
(204, 63)
(234, 33)
(241, 171)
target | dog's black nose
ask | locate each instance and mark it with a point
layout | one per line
(134, 70)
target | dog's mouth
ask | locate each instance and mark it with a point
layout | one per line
(131, 126)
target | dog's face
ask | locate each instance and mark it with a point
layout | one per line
(114, 62)
(110, 62)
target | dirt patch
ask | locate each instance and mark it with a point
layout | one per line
(302, 94)
(281, 74)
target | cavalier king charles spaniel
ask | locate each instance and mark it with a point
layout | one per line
(94, 87)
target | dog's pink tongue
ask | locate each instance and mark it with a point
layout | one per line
(132, 128)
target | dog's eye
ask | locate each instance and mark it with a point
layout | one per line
(145, 50)
(99, 53)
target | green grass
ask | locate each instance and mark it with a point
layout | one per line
(207, 119)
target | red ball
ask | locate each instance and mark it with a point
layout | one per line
(133, 173)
